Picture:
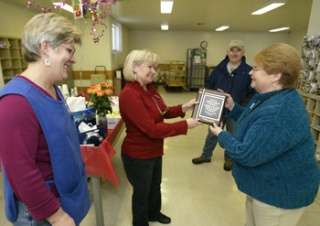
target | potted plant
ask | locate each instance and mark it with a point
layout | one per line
(100, 99)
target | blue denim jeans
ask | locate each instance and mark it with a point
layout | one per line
(212, 140)
(25, 218)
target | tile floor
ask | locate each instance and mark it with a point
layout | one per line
(193, 195)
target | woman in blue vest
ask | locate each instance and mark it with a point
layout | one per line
(273, 148)
(43, 172)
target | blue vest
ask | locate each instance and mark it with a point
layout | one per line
(68, 167)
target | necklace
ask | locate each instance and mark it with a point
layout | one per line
(159, 102)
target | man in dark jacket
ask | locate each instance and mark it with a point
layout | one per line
(232, 76)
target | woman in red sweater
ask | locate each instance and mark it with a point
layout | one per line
(143, 110)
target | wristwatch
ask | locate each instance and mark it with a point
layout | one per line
(204, 44)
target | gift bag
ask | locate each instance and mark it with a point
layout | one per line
(92, 137)
(87, 116)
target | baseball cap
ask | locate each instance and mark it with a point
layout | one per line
(236, 43)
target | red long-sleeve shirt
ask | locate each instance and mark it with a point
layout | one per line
(145, 126)
(25, 156)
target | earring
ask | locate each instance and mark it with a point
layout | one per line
(135, 76)
(47, 62)
(274, 86)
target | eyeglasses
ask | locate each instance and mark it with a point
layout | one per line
(70, 50)
(255, 69)
(155, 99)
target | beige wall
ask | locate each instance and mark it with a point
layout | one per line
(88, 55)
(314, 28)
(170, 45)
(13, 19)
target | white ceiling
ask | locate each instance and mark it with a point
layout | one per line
(203, 14)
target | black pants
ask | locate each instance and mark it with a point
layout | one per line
(145, 177)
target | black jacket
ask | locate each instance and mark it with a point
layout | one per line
(236, 83)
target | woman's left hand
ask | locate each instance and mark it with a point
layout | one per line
(189, 105)
(216, 130)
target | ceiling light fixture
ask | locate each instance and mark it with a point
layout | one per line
(268, 6)
(164, 27)
(64, 6)
(279, 29)
(166, 6)
(222, 28)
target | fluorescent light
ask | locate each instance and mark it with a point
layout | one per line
(164, 27)
(267, 8)
(222, 28)
(63, 6)
(166, 6)
(271, 5)
(279, 29)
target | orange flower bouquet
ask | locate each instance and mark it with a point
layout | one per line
(99, 98)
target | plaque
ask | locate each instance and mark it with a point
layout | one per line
(210, 107)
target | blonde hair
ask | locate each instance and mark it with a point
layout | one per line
(281, 58)
(138, 57)
(49, 27)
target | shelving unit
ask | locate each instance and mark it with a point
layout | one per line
(196, 68)
(309, 83)
(174, 73)
(11, 61)
(313, 108)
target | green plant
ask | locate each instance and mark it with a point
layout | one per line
(99, 97)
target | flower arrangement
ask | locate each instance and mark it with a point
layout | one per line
(99, 97)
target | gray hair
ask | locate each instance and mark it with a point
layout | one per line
(138, 57)
(49, 27)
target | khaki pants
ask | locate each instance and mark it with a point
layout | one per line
(262, 214)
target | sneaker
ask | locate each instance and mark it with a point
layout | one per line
(200, 160)
(228, 165)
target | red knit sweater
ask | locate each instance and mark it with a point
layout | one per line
(145, 126)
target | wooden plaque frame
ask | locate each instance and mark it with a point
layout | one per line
(210, 107)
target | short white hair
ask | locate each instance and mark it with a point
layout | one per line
(138, 57)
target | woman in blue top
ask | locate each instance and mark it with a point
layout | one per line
(273, 148)
(44, 178)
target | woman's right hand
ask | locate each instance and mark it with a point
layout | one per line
(193, 123)
(229, 102)
(61, 218)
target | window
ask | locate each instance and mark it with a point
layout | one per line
(116, 38)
